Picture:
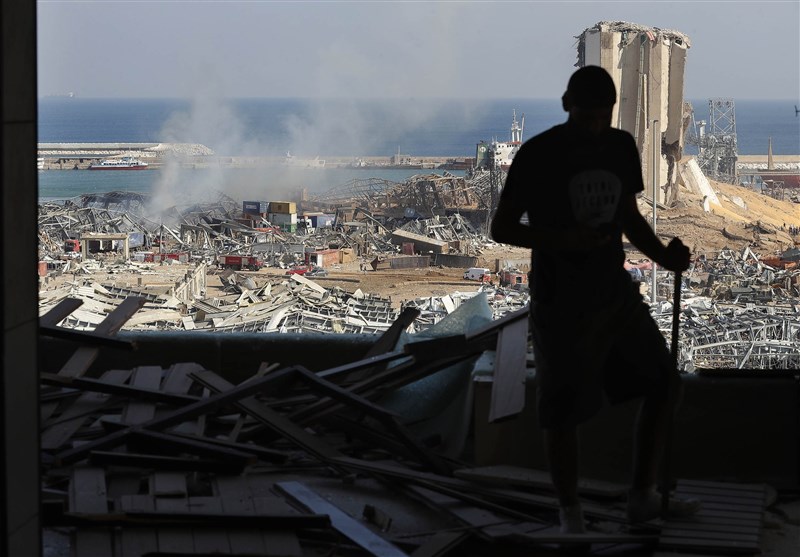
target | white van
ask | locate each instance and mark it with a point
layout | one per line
(481, 274)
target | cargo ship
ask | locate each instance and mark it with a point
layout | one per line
(122, 163)
(501, 153)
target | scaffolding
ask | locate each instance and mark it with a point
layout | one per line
(717, 148)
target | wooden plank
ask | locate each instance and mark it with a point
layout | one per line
(87, 494)
(79, 362)
(539, 479)
(741, 488)
(145, 439)
(551, 536)
(119, 315)
(172, 419)
(87, 491)
(73, 418)
(164, 463)
(388, 340)
(235, 497)
(98, 386)
(727, 522)
(178, 382)
(387, 419)
(168, 484)
(441, 544)
(270, 418)
(135, 542)
(58, 312)
(175, 539)
(482, 522)
(341, 521)
(209, 540)
(752, 539)
(140, 411)
(508, 386)
(263, 369)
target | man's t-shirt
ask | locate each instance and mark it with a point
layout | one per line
(563, 180)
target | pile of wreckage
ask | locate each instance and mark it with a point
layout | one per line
(371, 457)
(374, 219)
(738, 311)
(294, 304)
(377, 219)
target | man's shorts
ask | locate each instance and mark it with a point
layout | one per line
(583, 354)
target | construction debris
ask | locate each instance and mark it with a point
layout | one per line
(177, 460)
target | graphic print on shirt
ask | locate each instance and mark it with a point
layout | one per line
(594, 195)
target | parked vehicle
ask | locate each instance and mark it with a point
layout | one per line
(239, 262)
(72, 246)
(481, 274)
(298, 269)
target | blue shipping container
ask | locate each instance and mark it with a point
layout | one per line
(255, 207)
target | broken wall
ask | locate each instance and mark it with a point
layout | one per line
(647, 65)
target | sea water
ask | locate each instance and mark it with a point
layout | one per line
(341, 128)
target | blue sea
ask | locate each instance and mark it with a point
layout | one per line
(332, 128)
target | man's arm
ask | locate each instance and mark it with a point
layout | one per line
(506, 228)
(674, 257)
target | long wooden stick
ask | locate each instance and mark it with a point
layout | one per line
(665, 472)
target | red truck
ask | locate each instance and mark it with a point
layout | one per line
(239, 262)
(72, 246)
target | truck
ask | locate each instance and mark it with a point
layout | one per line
(481, 274)
(72, 246)
(239, 262)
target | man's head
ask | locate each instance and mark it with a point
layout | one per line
(590, 99)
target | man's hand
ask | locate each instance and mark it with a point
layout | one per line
(676, 256)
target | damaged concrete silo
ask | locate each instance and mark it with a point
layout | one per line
(647, 64)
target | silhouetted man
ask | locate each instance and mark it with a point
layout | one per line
(593, 336)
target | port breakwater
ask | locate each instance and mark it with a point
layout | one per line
(78, 156)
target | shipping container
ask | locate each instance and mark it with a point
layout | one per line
(279, 219)
(135, 239)
(255, 207)
(322, 221)
(323, 258)
(282, 207)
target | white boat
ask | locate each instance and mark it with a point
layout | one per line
(39, 163)
(291, 160)
(501, 153)
(122, 163)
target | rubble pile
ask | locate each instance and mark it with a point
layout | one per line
(738, 312)
(738, 309)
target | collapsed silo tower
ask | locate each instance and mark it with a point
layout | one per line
(647, 64)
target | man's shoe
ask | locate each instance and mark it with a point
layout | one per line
(645, 505)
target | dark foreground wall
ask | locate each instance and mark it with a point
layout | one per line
(744, 429)
(727, 428)
(236, 357)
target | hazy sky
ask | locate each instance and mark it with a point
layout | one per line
(176, 48)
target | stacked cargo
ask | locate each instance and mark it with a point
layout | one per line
(258, 208)
(283, 214)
